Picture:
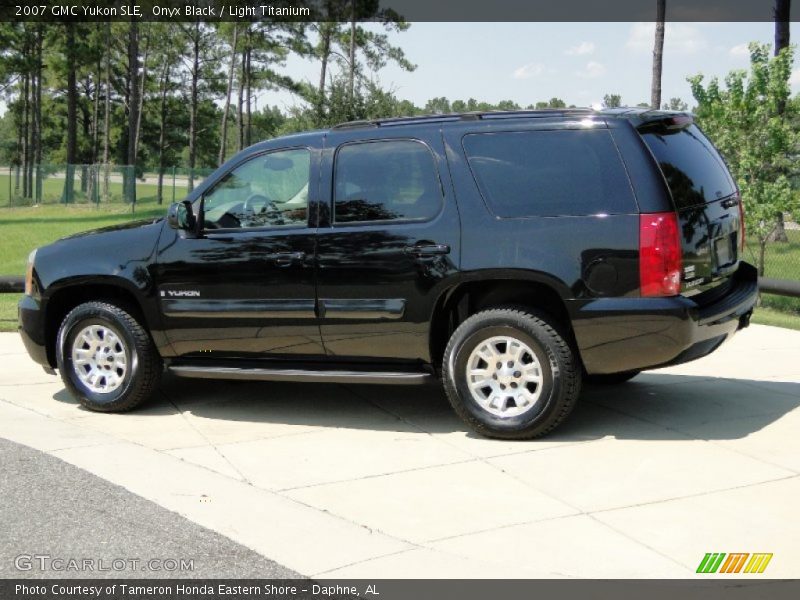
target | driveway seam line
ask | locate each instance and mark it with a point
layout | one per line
(202, 435)
(697, 495)
(692, 437)
(264, 490)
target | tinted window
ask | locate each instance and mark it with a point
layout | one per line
(386, 180)
(549, 173)
(692, 167)
(270, 190)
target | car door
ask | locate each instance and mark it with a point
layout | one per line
(388, 240)
(245, 285)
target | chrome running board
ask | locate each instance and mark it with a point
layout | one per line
(308, 375)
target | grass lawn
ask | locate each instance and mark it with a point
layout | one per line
(776, 318)
(25, 228)
(8, 311)
(53, 187)
(781, 261)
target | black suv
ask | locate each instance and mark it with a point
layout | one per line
(512, 254)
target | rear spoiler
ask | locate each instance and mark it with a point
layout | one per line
(664, 121)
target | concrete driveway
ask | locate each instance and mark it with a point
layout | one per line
(374, 482)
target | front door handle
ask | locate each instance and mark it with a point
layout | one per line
(284, 259)
(423, 250)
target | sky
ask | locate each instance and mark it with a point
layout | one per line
(528, 62)
(577, 62)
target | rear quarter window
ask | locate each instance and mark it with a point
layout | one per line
(549, 173)
(694, 171)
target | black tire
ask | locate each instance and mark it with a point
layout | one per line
(143, 366)
(561, 373)
(610, 378)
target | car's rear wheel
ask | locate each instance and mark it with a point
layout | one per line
(509, 373)
(610, 378)
(106, 358)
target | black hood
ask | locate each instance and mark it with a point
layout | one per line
(117, 227)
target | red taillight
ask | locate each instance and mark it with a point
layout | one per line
(742, 231)
(659, 254)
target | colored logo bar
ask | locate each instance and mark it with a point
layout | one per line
(735, 562)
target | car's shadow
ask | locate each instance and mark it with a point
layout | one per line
(654, 406)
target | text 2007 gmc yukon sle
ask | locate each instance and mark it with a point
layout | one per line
(511, 254)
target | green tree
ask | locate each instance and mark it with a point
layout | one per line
(439, 106)
(552, 103)
(676, 104)
(612, 100)
(508, 105)
(201, 61)
(357, 50)
(758, 141)
(161, 141)
(21, 81)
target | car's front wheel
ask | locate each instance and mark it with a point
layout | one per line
(509, 373)
(106, 358)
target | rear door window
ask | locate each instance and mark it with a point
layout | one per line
(392, 180)
(549, 173)
(694, 171)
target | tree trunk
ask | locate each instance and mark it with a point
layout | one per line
(133, 108)
(93, 173)
(107, 111)
(240, 105)
(352, 57)
(31, 127)
(224, 129)
(72, 124)
(325, 33)
(193, 104)
(658, 55)
(25, 152)
(782, 14)
(31, 116)
(20, 144)
(140, 110)
(162, 130)
(37, 154)
(96, 110)
(249, 129)
(86, 125)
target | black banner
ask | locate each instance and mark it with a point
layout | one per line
(377, 10)
(712, 588)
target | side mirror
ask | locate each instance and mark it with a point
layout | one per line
(181, 216)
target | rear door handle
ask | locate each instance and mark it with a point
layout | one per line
(423, 250)
(284, 259)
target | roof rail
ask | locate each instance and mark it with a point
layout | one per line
(355, 124)
(465, 116)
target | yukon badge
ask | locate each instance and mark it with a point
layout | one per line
(181, 293)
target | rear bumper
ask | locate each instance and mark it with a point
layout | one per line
(31, 328)
(624, 334)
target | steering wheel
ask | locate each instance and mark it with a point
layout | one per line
(268, 208)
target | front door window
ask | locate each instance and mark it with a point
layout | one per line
(270, 190)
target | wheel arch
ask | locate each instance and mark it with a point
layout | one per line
(68, 295)
(486, 289)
